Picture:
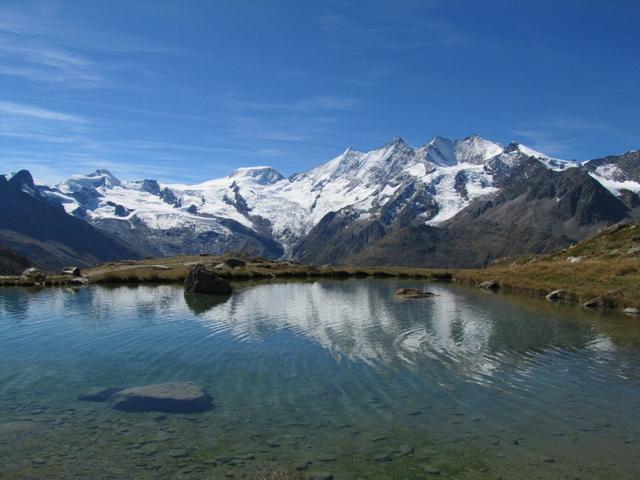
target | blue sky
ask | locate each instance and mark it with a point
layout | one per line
(188, 91)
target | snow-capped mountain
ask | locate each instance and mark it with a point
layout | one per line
(260, 211)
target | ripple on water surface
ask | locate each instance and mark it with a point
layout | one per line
(333, 376)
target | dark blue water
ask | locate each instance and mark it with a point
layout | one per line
(332, 376)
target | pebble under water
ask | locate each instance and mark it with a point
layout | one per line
(328, 379)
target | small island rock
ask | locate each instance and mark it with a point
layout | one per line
(200, 280)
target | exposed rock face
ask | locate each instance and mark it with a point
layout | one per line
(411, 293)
(200, 280)
(173, 397)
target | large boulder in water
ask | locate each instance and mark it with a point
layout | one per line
(200, 280)
(173, 397)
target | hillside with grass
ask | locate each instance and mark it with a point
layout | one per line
(603, 270)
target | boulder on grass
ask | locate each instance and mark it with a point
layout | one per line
(234, 262)
(490, 285)
(73, 271)
(556, 295)
(33, 274)
(410, 293)
(200, 280)
(173, 397)
(596, 302)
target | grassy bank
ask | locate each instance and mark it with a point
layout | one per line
(606, 266)
(175, 269)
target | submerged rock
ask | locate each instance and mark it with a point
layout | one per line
(97, 394)
(172, 397)
(200, 280)
(406, 293)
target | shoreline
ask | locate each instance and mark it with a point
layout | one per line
(512, 279)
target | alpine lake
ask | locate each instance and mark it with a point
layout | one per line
(325, 379)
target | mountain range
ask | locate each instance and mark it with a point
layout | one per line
(448, 203)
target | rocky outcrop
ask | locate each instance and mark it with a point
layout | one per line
(200, 280)
(173, 397)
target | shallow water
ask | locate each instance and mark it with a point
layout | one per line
(337, 376)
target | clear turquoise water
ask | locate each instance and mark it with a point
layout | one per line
(339, 376)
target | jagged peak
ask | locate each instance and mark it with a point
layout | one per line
(397, 141)
(22, 178)
(98, 178)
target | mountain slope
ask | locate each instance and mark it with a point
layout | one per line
(38, 228)
(11, 263)
(538, 210)
(351, 207)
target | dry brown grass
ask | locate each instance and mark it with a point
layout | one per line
(608, 267)
(175, 269)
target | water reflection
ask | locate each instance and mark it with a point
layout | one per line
(460, 330)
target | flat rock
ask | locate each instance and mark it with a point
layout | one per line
(490, 285)
(631, 311)
(173, 397)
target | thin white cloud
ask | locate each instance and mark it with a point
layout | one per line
(22, 110)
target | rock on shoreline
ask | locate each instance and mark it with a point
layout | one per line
(201, 280)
